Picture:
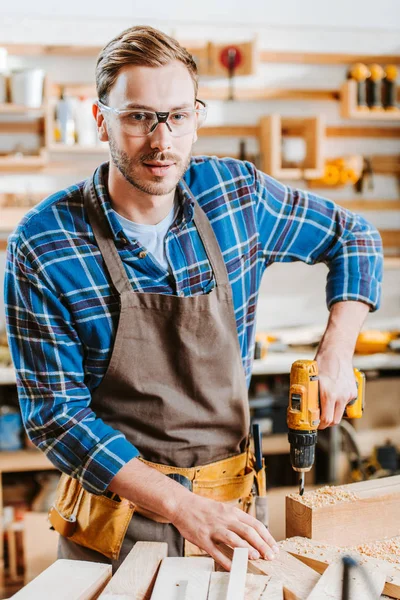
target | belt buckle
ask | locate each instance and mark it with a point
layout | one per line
(182, 480)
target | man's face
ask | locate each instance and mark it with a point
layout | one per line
(153, 164)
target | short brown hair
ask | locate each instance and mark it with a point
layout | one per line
(140, 45)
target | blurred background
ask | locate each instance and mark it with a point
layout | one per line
(308, 91)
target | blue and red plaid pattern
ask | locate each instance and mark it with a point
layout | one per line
(62, 312)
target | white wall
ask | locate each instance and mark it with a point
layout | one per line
(303, 25)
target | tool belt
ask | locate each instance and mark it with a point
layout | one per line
(100, 522)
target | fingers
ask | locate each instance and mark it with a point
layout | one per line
(249, 534)
(261, 530)
(235, 541)
(219, 557)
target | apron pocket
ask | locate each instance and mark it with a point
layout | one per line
(227, 488)
(98, 522)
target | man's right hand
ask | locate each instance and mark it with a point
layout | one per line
(207, 523)
(203, 522)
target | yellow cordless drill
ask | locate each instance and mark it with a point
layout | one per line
(303, 413)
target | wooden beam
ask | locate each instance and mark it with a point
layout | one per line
(386, 164)
(35, 127)
(330, 586)
(339, 516)
(270, 56)
(362, 132)
(243, 94)
(67, 579)
(50, 50)
(319, 556)
(390, 238)
(297, 581)
(191, 574)
(323, 58)
(290, 129)
(361, 205)
(137, 574)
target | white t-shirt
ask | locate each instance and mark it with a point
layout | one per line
(150, 237)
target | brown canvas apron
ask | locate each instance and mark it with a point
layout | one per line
(175, 384)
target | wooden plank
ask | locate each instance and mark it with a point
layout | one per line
(390, 238)
(386, 164)
(319, 556)
(191, 574)
(297, 578)
(237, 576)
(67, 580)
(341, 521)
(136, 576)
(222, 93)
(291, 129)
(273, 591)
(38, 557)
(329, 587)
(324, 58)
(363, 132)
(361, 205)
(255, 586)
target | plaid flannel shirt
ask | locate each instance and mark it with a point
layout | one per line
(62, 311)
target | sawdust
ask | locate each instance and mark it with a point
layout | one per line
(325, 496)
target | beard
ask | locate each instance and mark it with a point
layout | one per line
(130, 169)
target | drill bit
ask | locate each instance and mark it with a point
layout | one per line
(301, 483)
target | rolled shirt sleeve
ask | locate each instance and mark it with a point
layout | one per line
(295, 225)
(54, 399)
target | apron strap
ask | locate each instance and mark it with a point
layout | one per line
(104, 238)
(114, 264)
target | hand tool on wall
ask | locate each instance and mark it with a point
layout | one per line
(231, 58)
(303, 413)
(374, 87)
(360, 73)
(390, 88)
(261, 502)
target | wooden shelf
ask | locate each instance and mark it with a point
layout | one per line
(77, 149)
(270, 56)
(24, 460)
(8, 108)
(24, 162)
(243, 94)
(350, 110)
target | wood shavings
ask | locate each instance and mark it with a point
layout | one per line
(325, 496)
(388, 550)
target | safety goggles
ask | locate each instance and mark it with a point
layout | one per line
(137, 122)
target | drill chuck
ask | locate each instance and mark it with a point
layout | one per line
(302, 449)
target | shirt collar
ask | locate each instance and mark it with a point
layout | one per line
(100, 180)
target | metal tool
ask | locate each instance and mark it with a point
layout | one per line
(303, 414)
(360, 73)
(390, 88)
(374, 87)
(261, 502)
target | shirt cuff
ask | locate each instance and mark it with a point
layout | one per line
(356, 289)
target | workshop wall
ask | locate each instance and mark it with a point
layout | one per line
(290, 294)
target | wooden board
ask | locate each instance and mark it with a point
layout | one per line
(67, 580)
(136, 576)
(37, 557)
(191, 574)
(319, 556)
(297, 578)
(237, 575)
(255, 587)
(344, 523)
(329, 587)
(273, 591)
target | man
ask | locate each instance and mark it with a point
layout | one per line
(130, 304)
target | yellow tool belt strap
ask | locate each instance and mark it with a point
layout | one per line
(224, 480)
